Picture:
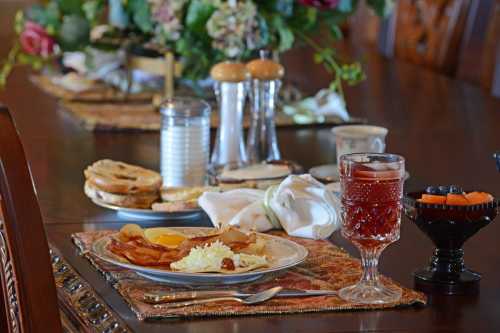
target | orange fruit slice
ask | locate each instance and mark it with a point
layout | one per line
(475, 198)
(456, 199)
(433, 199)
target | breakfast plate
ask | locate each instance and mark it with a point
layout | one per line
(280, 253)
(149, 214)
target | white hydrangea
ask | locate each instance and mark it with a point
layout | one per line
(167, 14)
(233, 27)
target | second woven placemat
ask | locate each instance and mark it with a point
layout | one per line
(327, 267)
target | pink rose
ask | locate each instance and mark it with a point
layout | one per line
(321, 4)
(36, 41)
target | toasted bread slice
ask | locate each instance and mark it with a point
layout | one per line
(142, 200)
(172, 194)
(122, 178)
(175, 206)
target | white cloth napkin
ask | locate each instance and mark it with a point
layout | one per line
(300, 205)
(325, 103)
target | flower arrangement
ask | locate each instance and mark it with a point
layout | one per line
(199, 32)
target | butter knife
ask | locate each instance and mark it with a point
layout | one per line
(174, 296)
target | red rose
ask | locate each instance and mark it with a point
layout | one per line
(36, 41)
(321, 4)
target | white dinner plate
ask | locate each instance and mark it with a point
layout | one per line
(149, 214)
(281, 254)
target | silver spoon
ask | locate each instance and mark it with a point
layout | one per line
(253, 299)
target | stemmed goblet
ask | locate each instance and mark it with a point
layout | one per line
(372, 190)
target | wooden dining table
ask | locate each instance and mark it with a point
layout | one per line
(446, 129)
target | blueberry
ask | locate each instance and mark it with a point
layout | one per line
(443, 190)
(432, 190)
(456, 189)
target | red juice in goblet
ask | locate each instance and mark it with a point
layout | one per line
(372, 205)
(372, 189)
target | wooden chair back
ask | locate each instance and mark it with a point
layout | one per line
(490, 72)
(29, 293)
(426, 32)
(480, 51)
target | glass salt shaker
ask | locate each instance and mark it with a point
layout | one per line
(262, 143)
(231, 81)
(185, 142)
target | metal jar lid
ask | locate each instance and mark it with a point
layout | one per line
(185, 107)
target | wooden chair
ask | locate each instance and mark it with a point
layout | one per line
(29, 293)
(480, 52)
(426, 32)
(490, 73)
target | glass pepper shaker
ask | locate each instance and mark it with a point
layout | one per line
(262, 143)
(231, 81)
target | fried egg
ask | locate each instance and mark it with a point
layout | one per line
(165, 237)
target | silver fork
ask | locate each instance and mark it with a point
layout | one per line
(253, 299)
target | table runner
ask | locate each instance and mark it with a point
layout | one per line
(326, 267)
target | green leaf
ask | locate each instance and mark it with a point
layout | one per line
(318, 58)
(265, 37)
(74, 32)
(53, 15)
(284, 7)
(141, 14)
(70, 7)
(285, 34)
(336, 32)
(304, 18)
(92, 9)
(198, 13)
(381, 7)
(19, 22)
(37, 13)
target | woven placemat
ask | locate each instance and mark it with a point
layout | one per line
(145, 117)
(326, 267)
(100, 92)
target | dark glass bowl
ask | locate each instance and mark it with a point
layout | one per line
(448, 227)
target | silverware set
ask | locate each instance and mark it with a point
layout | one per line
(175, 299)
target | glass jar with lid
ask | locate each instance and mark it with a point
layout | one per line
(185, 142)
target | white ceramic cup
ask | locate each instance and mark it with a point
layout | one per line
(359, 139)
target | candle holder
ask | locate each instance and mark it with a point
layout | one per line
(449, 227)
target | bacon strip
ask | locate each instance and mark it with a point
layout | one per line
(140, 251)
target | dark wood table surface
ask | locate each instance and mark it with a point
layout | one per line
(446, 129)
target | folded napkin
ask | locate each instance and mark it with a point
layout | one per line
(300, 205)
(314, 109)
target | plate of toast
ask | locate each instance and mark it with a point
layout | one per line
(137, 192)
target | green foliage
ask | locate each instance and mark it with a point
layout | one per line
(19, 22)
(278, 25)
(198, 13)
(197, 55)
(284, 34)
(304, 18)
(92, 10)
(141, 15)
(70, 7)
(74, 32)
